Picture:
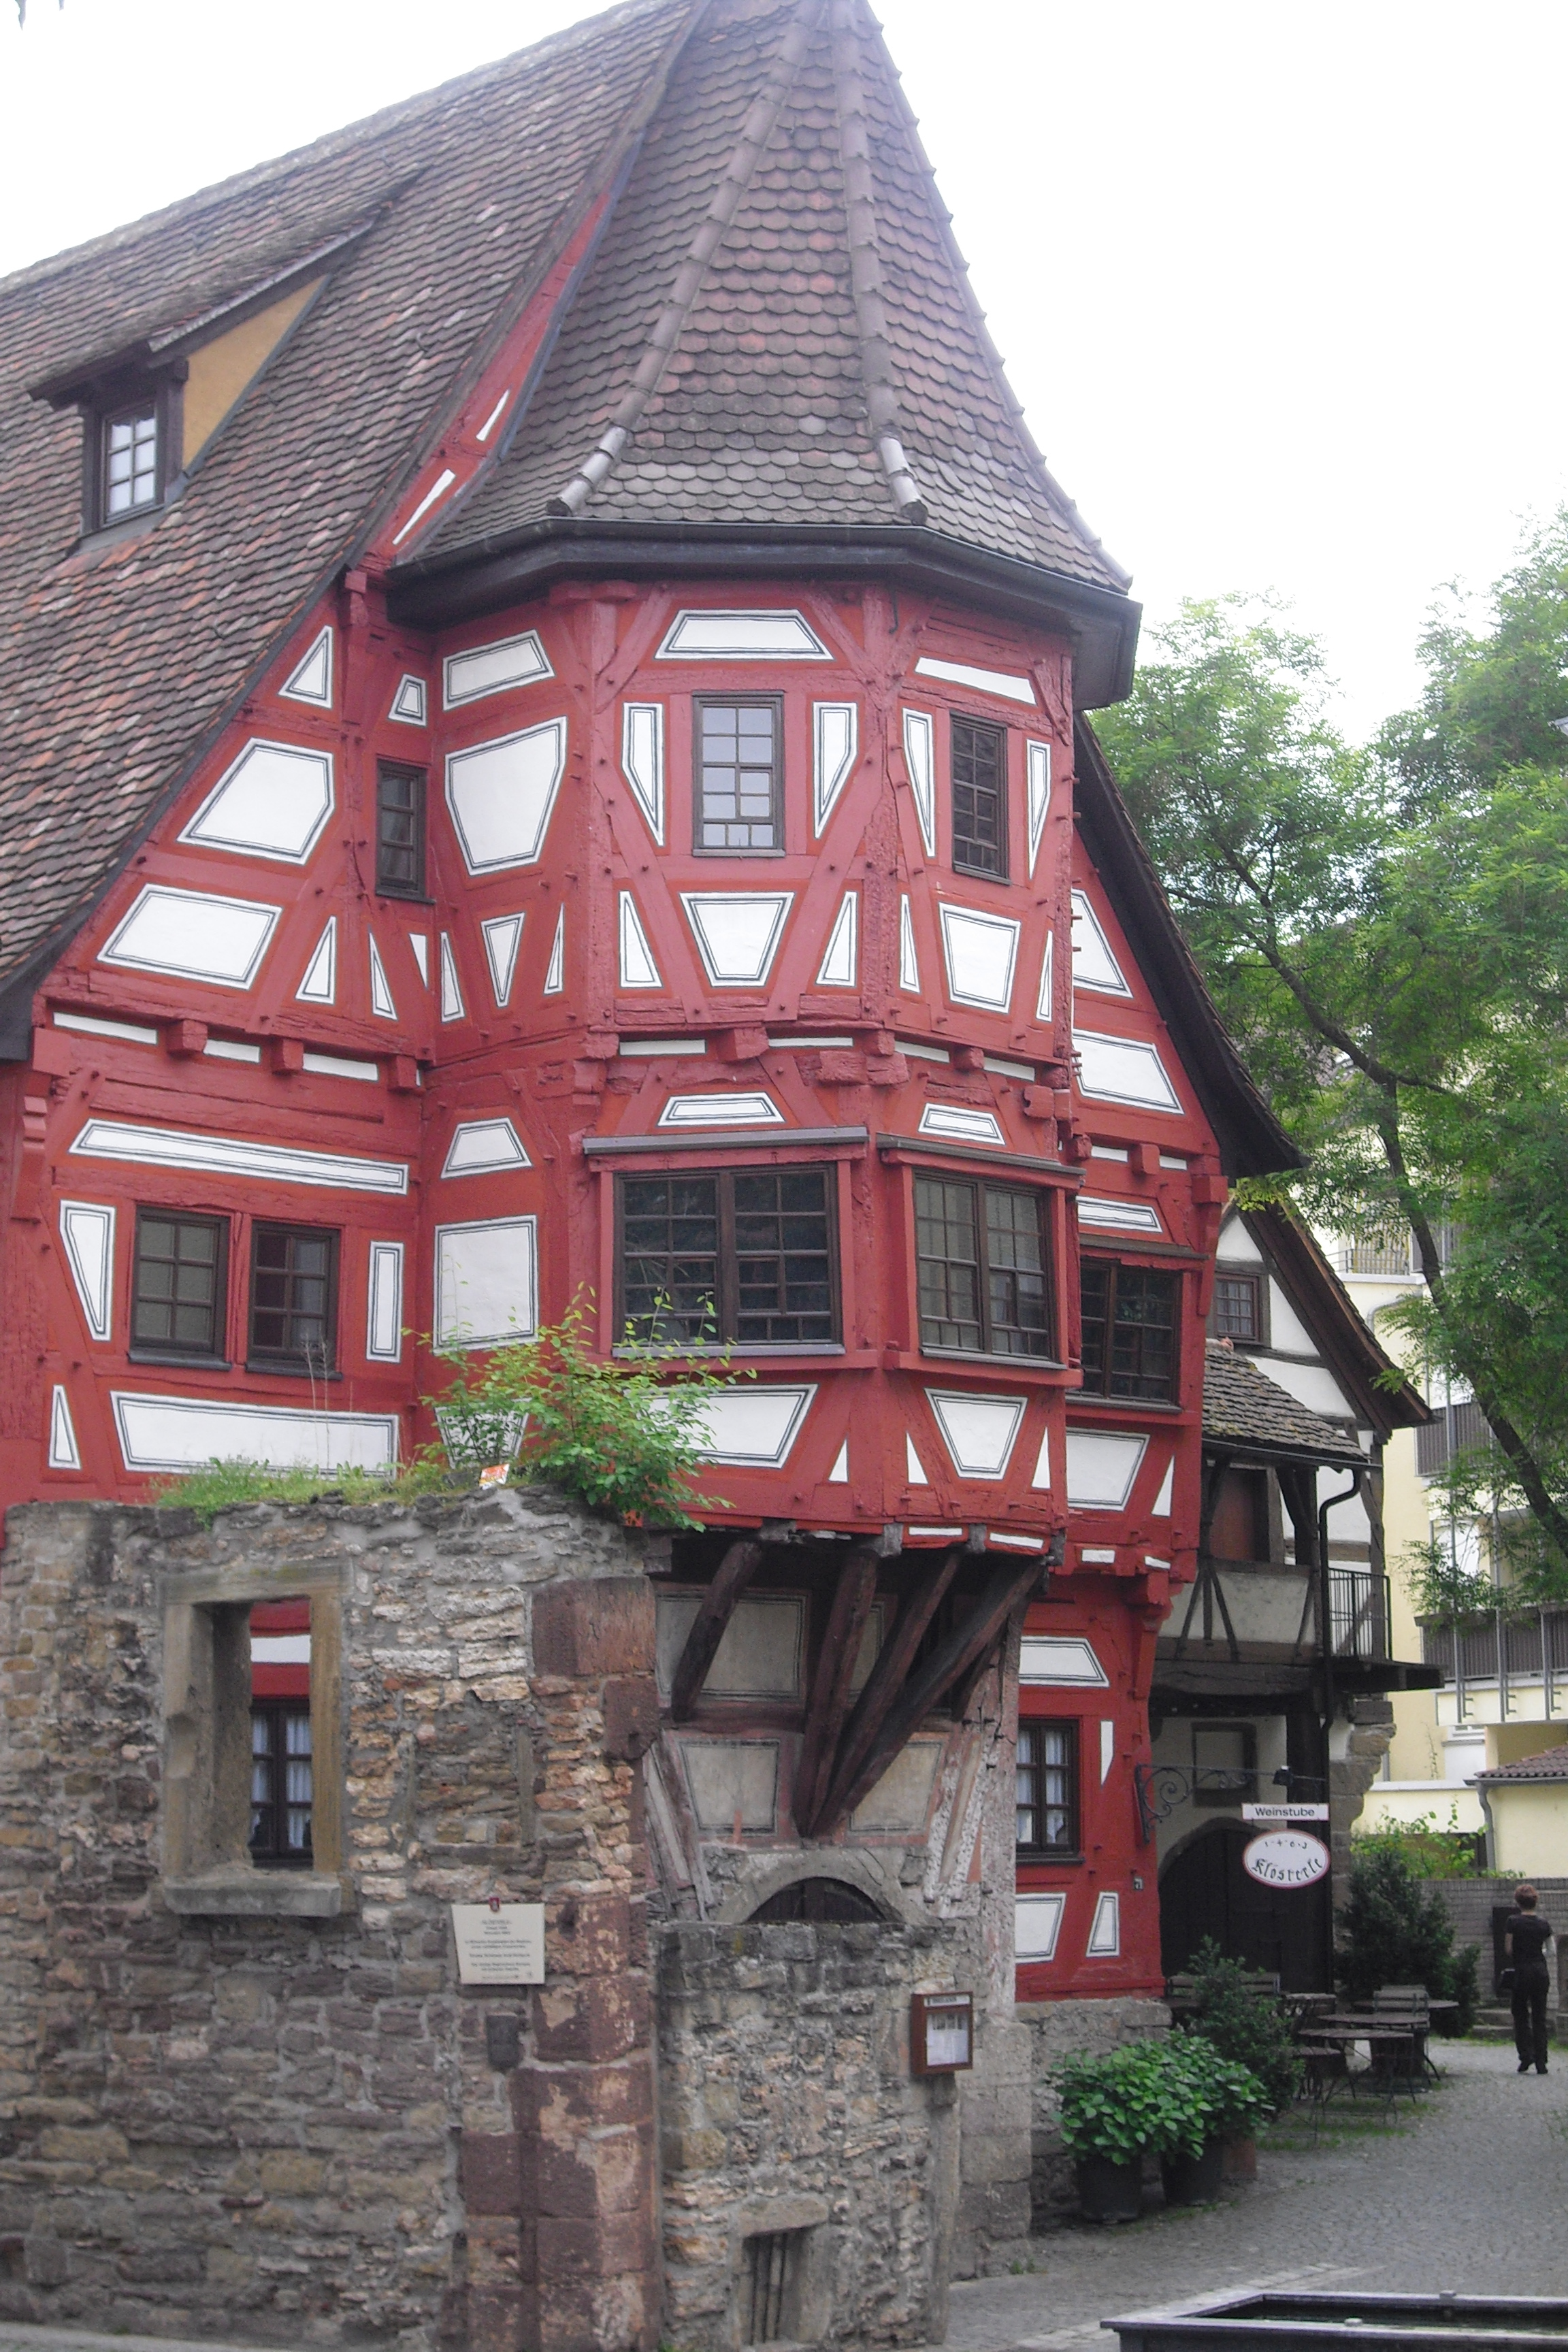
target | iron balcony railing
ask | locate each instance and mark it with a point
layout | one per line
(1237, 1607)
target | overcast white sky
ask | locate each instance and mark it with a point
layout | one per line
(1279, 284)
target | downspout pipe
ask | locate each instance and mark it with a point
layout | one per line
(1325, 1594)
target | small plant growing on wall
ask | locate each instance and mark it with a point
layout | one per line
(617, 1432)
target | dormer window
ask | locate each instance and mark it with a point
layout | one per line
(131, 461)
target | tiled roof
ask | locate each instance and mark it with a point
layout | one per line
(778, 296)
(118, 665)
(1551, 1764)
(1245, 1408)
(774, 303)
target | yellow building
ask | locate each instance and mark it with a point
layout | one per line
(1527, 1803)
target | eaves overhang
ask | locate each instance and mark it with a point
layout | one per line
(483, 577)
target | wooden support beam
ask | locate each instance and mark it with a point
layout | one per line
(736, 1570)
(890, 1671)
(1010, 1581)
(830, 1685)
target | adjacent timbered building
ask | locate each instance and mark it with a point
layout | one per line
(545, 764)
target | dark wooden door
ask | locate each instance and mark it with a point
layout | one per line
(1204, 1891)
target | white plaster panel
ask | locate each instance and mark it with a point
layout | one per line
(381, 998)
(1309, 1384)
(193, 935)
(1043, 1006)
(168, 1433)
(716, 1109)
(979, 1432)
(920, 758)
(494, 669)
(901, 1798)
(222, 1155)
(1112, 1216)
(410, 702)
(487, 1282)
(64, 1452)
(555, 971)
(480, 1146)
(1093, 963)
(1060, 1660)
(637, 968)
(1122, 1069)
(981, 952)
(311, 678)
(761, 1656)
(501, 795)
(753, 1426)
(964, 1124)
(320, 984)
(1038, 756)
(835, 740)
(1161, 1507)
(384, 1306)
(1286, 1328)
(1002, 682)
(87, 1229)
(909, 961)
(452, 986)
(642, 760)
(1105, 1931)
(272, 801)
(502, 936)
(776, 635)
(1037, 1925)
(1236, 1247)
(838, 958)
(1102, 1464)
(728, 1777)
(737, 933)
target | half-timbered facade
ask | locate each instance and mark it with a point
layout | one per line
(546, 767)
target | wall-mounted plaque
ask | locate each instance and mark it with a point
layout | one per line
(499, 1943)
(941, 2033)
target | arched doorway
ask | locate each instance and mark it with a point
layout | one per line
(1204, 1891)
(824, 1902)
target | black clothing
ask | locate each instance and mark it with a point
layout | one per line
(1532, 1939)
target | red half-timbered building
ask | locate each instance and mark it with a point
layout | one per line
(545, 763)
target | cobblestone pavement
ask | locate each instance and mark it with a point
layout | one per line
(1469, 2194)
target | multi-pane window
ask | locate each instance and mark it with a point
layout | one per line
(739, 792)
(130, 461)
(400, 831)
(1129, 1330)
(177, 1284)
(280, 1781)
(1048, 1788)
(742, 1254)
(1237, 1307)
(980, 798)
(984, 1286)
(293, 1298)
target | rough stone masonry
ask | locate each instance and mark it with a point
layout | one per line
(247, 2102)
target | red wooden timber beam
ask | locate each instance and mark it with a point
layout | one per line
(736, 1570)
(1008, 1583)
(830, 1688)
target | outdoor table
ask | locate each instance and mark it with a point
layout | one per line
(1385, 2041)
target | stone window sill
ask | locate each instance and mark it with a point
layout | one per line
(241, 1892)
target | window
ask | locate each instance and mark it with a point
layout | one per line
(1224, 1762)
(1237, 1307)
(293, 1298)
(980, 1258)
(744, 1255)
(178, 1285)
(1129, 1330)
(400, 831)
(770, 2263)
(1238, 1516)
(979, 799)
(739, 796)
(131, 461)
(280, 1783)
(1048, 1788)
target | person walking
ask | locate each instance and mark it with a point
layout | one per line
(1528, 1938)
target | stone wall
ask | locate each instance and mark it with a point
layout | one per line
(1057, 2028)
(282, 2124)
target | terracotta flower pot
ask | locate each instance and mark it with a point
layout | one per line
(1193, 2179)
(1108, 2192)
(1240, 2159)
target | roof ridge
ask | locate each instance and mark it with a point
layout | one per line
(332, 143)
(665, 333)
(865, 265)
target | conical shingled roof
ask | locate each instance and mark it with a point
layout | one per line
(776, 328)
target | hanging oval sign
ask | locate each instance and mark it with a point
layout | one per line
(1286, 1858)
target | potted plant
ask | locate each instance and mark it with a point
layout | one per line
(1113, 2109)
(1250, 2026)
(1214, 2101)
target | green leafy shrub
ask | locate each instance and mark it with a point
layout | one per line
(1170, 2097)
(1249, 2028)
(1431, 1852)
(1392, 1932)
(617, 1432)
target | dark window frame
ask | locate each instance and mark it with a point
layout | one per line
(293, 1365)
(980, 1189)
(1244, 1785)
(992, 863)
(1258, 1336)
(774, 703)
(1106, 1392)
(172, 1351)
(404, 772)
(276, 1852)
(1071, 1849)
(727, 1303)
(113, 403)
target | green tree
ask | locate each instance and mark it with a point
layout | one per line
(1392, 1931)
(1386, 932)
